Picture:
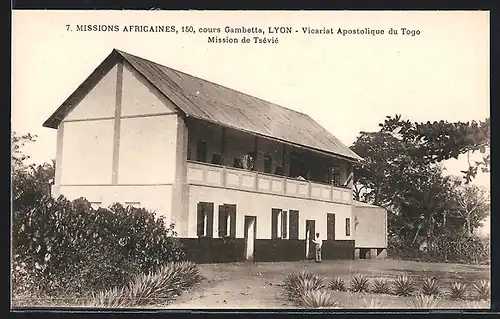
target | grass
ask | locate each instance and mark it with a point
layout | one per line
(260, 285)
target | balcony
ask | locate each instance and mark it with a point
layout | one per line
(241, 179)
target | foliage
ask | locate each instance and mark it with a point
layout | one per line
(401, 172)
(425, 301)
(381, 286)
(403, 286)
(318, 299)
(458, 291)
(472, 205)
(457, 247)
(297, 284)
(430, 286)
(442, 140)
(337, 284)
(167, 282)
(359, 283)
(483, 289)
(69, 247)
(17, 143)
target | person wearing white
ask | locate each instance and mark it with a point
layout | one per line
(318, 242)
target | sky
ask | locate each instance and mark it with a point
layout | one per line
(346, 83)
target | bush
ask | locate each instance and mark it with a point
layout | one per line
(483, 290)
(153, 288)
(425, 301)
(297, 284)
(403, 286)
(381, 286)
(70, 248)
(458, 291)
(430, 286)
(337, 284)
(449, 247)
(318, 299)
(359, 283)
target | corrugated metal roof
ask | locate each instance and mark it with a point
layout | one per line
(215, 103)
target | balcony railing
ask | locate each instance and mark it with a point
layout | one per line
(241, 179)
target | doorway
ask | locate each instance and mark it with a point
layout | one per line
(310, 233)
(250, 234)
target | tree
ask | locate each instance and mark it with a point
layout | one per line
(17, 155)
(29, 182)
(399, 174)
(443, 140)
(472, 206)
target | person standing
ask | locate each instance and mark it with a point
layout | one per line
(318, 242)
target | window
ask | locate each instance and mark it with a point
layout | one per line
(268, 163)
(348, 227)
(205, 219)
(227, 220)
(330, 226)
(133, 204)
(279, 223)
(335, 175)
(293, 224)
(95, 205)
(201, 151)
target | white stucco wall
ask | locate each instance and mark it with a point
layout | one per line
(371, 229)
(260, 205)
(147, 150)
(99, 102)
(139, 144)
(87, 152)
(139, 97)
(151, 197)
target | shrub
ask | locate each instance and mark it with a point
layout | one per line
(381, 286)
(403, 285)
(455, 247)
(359, 283)
(167, 282)
(483, 290)
(430, 286)
(297, 284)
(70, 248)
(425, 301)
(318, 299)
(337, 284)
(458, 291)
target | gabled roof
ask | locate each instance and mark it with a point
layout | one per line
(215, 103)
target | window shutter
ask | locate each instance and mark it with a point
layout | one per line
(232, 213)
(274, 222)
(210, 219)
(222, 221)
(294, 224)
(348, 227)
(330, 226)
(200, 209)
(284, 224)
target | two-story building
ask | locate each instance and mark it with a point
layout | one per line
(241, 178)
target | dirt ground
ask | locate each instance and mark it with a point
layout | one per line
(259, 285)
